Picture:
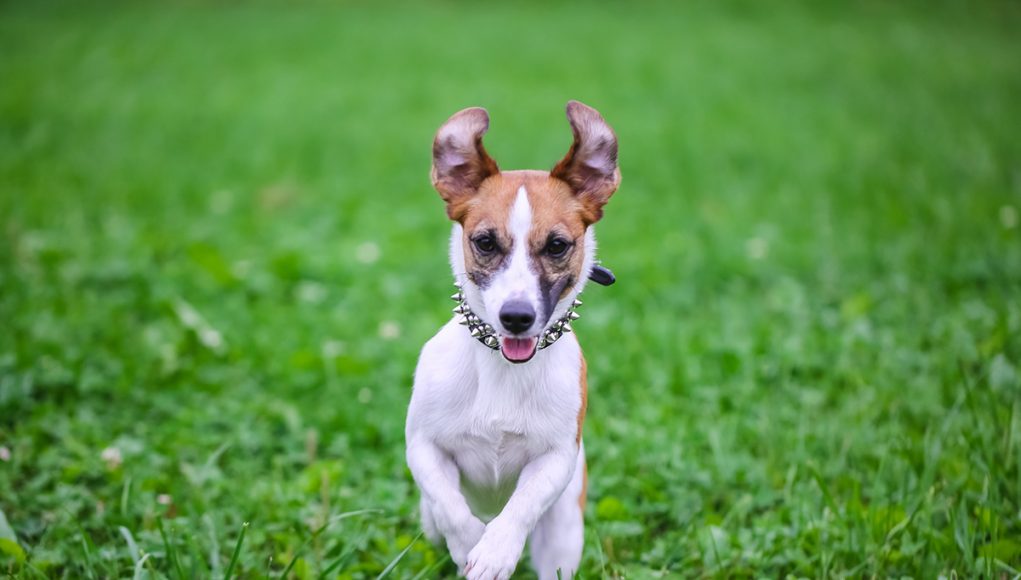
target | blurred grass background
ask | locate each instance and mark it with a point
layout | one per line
(220, 254)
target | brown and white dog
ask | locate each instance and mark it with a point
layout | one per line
(495, 420)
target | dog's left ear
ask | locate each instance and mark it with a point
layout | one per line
(590, 167)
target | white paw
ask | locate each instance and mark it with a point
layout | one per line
(462, 539)
(495, 556)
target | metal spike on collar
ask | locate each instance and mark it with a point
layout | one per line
(486, 334)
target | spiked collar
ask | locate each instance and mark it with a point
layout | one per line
(486, 334)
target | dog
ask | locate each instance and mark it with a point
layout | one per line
(494, 426)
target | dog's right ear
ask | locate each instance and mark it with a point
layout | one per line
(590, 167)
(460, 162)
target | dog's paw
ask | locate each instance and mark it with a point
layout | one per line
(462, 538)
(495, 556)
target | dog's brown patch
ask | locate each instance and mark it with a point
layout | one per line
(556, 212)
(584, 488)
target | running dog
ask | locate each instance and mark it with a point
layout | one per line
(495, 420)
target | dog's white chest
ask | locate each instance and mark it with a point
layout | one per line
(494, 437)
(490, 455)
(492, 418)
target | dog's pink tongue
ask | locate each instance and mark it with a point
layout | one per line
(518, 349)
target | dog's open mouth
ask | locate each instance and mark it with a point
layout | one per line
(518, 350)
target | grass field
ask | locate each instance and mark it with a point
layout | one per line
(220, 254)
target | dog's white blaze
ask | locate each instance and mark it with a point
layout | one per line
(517, 281)
(520, 217)
(518, 225)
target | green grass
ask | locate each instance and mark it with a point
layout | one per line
(808, 367)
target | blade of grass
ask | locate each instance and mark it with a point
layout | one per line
(215, 455)
(428, 572)
(351, 514)
(599, 551)
(196, 556)
(132, 546)
(237, 552)
(171, 550)
(814, 471)
(393, 564)
(86, 545)
(321, 529)
(716, 551)
(348, 552)
(214, 545)
(125, 496)
(139, 565)
(1007, 568)
(342, 559)
(294, 561)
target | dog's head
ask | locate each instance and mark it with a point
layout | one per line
(522, 245)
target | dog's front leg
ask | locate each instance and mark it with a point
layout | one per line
(437, 476)
(540, 484)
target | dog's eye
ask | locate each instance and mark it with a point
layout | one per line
(557, 247)
(485, 244)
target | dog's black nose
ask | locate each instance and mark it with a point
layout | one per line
(517, 316)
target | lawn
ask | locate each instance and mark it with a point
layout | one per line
(220, 255)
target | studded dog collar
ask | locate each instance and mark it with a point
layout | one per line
(486, 334)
